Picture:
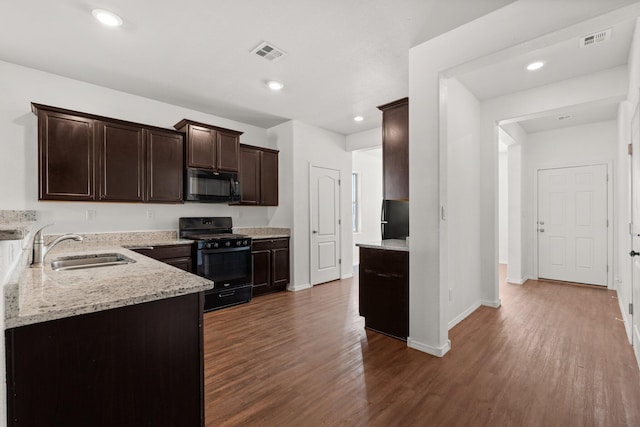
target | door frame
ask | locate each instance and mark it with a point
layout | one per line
(317, 165)
(610, 218)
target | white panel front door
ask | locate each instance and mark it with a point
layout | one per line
(324, 193)
(635, 239)
(572, 224)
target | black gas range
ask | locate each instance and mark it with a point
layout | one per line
(220, 256)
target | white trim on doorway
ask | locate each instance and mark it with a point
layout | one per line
(610, 228)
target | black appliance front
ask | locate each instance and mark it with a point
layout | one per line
(231, 271)
(395, 219)
(210, 187)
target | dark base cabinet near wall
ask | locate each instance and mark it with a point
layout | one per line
(384, 291)
(139, 365)
(270, 265)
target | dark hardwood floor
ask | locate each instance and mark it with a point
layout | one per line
(552, 355)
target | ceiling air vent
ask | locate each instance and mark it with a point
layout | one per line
(595, 38)
(269, 52)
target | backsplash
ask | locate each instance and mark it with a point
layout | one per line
(17, 216)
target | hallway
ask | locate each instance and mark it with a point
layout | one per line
(552, 355)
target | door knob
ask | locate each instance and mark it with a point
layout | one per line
(315, 231)
(542, 230)
(633, 253)
(541, 222)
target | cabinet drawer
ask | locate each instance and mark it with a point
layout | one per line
(264, 244)
(384, 262)
(165, 252)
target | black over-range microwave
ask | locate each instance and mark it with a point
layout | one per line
(213, 187)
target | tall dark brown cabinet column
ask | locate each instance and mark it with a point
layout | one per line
(395, 149)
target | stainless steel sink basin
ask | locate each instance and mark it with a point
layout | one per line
(89, 261)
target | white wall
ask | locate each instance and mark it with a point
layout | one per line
(524, 22)
(503, 207)
(368, 165)
(462, 224)
(366, 139)
(18, 152)
(514, 210)
(303, 145)
(594, 143)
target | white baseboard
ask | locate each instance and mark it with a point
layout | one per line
(626, 318)
(425, 348)
(518, 281)
(296, 288)
(459, 318)
(493, 304)
(346, 276)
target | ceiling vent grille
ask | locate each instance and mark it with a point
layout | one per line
(595, 38)
(269, 52)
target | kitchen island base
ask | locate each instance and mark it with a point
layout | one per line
(138, 365)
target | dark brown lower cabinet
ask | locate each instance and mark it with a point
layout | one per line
(270, 265)
(176, 255)
(140, 365)
(384, 291)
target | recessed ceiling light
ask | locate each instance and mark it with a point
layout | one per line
(274, 85)
(358, 118)
(107, 18)
(535, 65)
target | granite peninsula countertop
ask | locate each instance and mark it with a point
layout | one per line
(41, 294)
(388, 244)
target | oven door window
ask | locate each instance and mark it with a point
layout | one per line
(226, 267)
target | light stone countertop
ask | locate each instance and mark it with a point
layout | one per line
(389, 244)
(257, 233)
(42, 294)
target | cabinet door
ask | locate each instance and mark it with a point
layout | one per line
(228, 146)
(121, 161)
(280, 267)
(66, 153)
(201, 147)
(269, 178)
(395, 152)
(261, 271)
(249, 176)
(181, 263)
(164, 167)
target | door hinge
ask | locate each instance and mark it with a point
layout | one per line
(607, 268)
(630, 149)
(630, 308)
(607, 177)
(339, 182)
(607, 223)
(340, 261)
(630, 228)
(339, 222)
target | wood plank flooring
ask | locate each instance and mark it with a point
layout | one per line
(552, 355)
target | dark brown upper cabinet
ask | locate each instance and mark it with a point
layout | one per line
(395, 149)
(65, 156)
(84, 157)
(210, 147)
(258, 176)
(122, 163)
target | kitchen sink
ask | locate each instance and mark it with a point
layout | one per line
(89, 261)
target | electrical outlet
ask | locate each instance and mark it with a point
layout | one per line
(151, 214)
(450, 294)
(91, 215)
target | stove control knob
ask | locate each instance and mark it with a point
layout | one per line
(238, 242)
(207, 245)
(227, 243)
(216, 244)
(245, 242)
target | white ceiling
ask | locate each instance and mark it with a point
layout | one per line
(564, 60)
(345, 57)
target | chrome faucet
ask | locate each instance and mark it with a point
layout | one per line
(40, 250)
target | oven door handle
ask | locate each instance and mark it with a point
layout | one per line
(225, 249)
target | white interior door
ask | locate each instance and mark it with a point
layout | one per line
(635, 239)
(324, 194)
(572, 224)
